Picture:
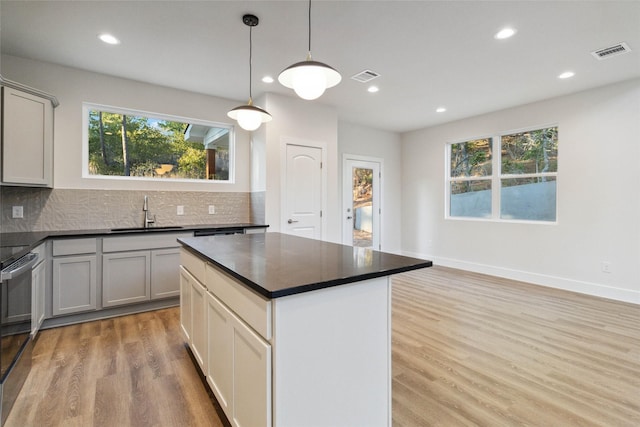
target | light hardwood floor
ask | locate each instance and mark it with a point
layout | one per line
(468, 350)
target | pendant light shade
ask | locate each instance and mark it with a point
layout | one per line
(249, 116)
(309, 79)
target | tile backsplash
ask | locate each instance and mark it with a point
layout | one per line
(80, 209)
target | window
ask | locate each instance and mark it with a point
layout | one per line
(470, 178)
(127, 143)
(509, 177)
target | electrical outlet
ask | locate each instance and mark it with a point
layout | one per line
(180, 210)
(17, 212)
(212, 209)
(606, 267)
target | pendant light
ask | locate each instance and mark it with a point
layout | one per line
(309, 78)
(249, 116)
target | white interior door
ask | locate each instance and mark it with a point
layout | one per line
(361, 203)
(302, 214)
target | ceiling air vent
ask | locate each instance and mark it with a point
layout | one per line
(611, 51)
(365, 76)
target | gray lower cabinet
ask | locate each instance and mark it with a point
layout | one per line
(165, 268)
(126, 278)
(38, 283)
(139, 276)
(75, 275)
(74, 284)
(138, 268)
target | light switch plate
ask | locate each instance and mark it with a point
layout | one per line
(212, 209)
(180, 210)
(17, 212)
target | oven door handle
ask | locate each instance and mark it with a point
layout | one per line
(20, 266)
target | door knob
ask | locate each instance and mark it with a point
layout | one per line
(349, 217)
(291, 221)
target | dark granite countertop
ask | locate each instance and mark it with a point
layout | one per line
(276, 265)
(16, 244)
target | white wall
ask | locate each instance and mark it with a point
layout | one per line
(72, 87)
(364, 141)
(598, 197)
(304, 122)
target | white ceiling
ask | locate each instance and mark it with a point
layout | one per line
(428, 53)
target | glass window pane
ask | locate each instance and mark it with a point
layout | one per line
(533, 151)
(528, 199)
(471, 158)
(139, 146)
(362, 207)
(471, 199)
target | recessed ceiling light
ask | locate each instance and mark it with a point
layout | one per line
(505, 33)
(566, 75)
(373, 89)
(440, 110)
(108, 38)
(267, 79)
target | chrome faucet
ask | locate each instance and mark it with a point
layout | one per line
(145, 208)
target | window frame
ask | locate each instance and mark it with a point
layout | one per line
(88, 106)
(496, 178)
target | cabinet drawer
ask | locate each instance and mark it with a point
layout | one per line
(74, 246)
(136, 242)
(192, 264)
(246, 304)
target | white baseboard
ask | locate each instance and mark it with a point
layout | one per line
(588, 288)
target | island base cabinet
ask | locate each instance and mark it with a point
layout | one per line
(251, 378)
(199, 323)
(185, 303)
(193, 316)
(332, 356)
(239, 367)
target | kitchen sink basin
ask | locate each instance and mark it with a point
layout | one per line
(138, 229)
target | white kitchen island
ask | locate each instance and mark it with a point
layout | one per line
(291, 332)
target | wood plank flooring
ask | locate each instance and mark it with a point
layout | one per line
(468, 350)
(475, 350)
(126, 371)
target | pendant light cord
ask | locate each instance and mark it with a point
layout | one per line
(309, 27)
(250, 62)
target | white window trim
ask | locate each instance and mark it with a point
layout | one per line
(87, 106)
(495, 178)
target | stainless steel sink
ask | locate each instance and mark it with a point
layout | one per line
(138, 229)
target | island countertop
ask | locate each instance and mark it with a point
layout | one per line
(276, 265)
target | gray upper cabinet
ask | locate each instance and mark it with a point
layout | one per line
(27, 136)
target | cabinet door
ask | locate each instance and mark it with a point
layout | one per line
(185, 303)
(126, 278)
(220, 353)
(199, 323)
(38, 281)
(165, 280)
(74, 284)
(27, 139)
(251, 378)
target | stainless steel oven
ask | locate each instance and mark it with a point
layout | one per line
(15, 329)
